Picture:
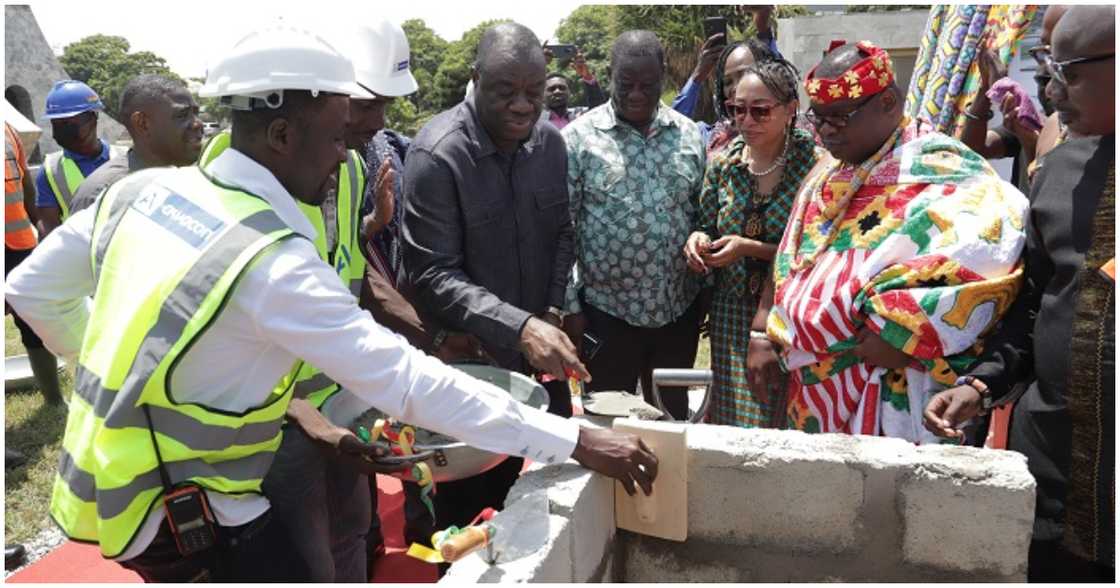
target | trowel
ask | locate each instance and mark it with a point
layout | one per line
(625, 404)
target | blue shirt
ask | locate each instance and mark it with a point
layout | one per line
(45, 196)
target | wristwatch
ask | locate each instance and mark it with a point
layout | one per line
(981, 388)
(556, 312)
(438, 340)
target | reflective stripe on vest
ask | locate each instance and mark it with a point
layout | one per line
(169, 246)
(18, 234)
(64, 176)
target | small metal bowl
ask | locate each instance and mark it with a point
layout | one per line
(452, 459)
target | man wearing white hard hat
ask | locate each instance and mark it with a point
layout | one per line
(207, 290)
(329, 510)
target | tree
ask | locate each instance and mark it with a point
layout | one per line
(211, 109)
(591, 28)
(104, 63)
(427, 52)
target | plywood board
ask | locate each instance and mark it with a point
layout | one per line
(665, 512)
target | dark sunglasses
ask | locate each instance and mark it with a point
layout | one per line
(760, 113)
(836, 121)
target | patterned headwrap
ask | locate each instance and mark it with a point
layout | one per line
(870, 76)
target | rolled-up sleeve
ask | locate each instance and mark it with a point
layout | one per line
(433, 256)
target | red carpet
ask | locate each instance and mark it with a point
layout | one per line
(77, 562)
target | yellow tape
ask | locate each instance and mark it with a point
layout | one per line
(426, 554)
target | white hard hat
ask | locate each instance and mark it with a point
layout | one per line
(266, 62)
(381, 57)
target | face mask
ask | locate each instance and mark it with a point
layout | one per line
(67, 135)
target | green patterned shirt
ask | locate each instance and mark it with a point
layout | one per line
(634, 202)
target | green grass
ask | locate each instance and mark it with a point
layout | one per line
(35, 430)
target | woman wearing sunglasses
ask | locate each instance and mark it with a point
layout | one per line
(748, 191)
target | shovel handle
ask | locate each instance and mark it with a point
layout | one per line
(682, 377)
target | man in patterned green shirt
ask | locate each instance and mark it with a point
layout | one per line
(635, 169)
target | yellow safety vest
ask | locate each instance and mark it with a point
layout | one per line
(168, 246)
(64, 176)
(346, 257)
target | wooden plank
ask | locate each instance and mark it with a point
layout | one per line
(665, 512)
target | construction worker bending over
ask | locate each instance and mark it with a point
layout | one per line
(207, 290)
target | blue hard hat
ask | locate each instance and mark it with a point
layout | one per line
(71, 98)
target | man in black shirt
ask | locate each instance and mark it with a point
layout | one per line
(1065, 421)
(488, 238)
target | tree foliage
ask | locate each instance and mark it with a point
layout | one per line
(427, 53)
(455, 71)
(105, 64)
(442, 69)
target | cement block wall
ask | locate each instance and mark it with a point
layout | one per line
(780, 506)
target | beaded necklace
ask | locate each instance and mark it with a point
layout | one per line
(781, 160)
(834, 212)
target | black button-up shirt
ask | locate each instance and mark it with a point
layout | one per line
(488, 235)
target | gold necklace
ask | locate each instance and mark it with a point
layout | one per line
(835, 211)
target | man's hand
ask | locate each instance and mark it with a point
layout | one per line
(622, 456)
(579, 64)
(727, 250)
(337, 441)
(461, 347)
(991, 69)
(709, 55)
(384, 185)
(695, 248)
(763, 370)
(948, 409)
(548, 349)
(872, 349)
(1028, 136)
(574, 326)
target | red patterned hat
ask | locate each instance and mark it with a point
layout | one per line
(870, 76)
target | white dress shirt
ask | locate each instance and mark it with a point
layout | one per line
(289, 304)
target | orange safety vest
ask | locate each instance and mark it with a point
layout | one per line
(18, 233)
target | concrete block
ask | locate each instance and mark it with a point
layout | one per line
(653, 560)
(756, 487)
(593, 527)
(583, 497)
(968, 510)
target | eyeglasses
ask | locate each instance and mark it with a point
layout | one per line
(837, 121)
(1037, 53)
(1056, 69)
(760, 112)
